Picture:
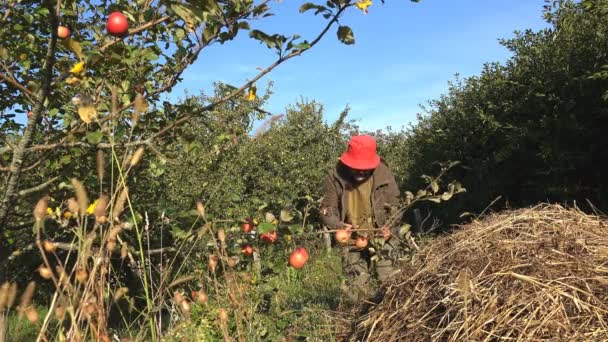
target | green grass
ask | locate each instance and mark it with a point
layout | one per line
(289, 304)
(20, 329)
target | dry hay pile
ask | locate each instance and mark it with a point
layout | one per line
(531, 274)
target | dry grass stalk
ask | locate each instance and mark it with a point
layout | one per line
(536, 274)
(137, 156)
(100, 209)
(12, 295)
(200, 208)
(4, 295)
(119, 206)
(40, 209)
(101, 164)
(26, 297)
(81, 196)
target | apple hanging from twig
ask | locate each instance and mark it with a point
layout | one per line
(117, 24)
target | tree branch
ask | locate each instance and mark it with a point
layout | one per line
(38, 187)
(17, 85)
(134, 31)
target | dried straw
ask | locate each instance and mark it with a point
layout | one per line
(536, 274)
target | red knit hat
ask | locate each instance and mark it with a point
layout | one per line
(361, 153)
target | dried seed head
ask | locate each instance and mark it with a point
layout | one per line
(101, 163)
(135, 118)
(63, 276)
(124, 250)
(232, 298)
(73, 205)
(127, 161)
(111, 245)
(113, 234)
(221, 235)
(140, 105)
(4, 295)
(212, 263)
(45, 272)
(139, 153)
(232, 261)
(12, 295)
(178, 297)
(26, 297)
(40, 209)
(82, 275)
(81, 195)
(60, 312)
(89, 308)
(119, 206)
(223, 315)
(100, 208)
(200, 208)
(31, 314)
(185, 306)
(200, 297)
(121, 292)
(48, 246)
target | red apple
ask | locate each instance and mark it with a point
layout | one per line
(361, 242)
(29, 114)
(247, 227)
(117, 24)
(342, 236)
(63, 32)
(269, 237)
(298, 258)
(247, 250)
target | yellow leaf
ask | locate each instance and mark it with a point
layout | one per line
(91, 208)
(363, 5)
(49, 211)
(87, 113)
(73, 46)
(251, 94)
(72, 80)
(77, 68)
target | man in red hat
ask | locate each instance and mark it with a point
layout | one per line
(359, 195)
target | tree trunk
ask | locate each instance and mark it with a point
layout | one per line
(327, 239)
(14, 173)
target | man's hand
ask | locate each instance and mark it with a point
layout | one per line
(385, 233)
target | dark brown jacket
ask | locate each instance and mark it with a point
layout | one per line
(385, 194)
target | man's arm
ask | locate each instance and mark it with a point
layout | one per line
(329, 205)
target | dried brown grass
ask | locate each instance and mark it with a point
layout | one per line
(536, 274)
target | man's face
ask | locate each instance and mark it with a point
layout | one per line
(360, 176)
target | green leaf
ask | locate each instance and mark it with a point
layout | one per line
(263, 37)
(94, 137)
(188, 14)
(286, 216)
(261, 9)
(266, 227)
(309, 5)
(346, 35)
(269, 217)
(404, 230)
(296, 229)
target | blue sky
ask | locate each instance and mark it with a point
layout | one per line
(405, 54)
